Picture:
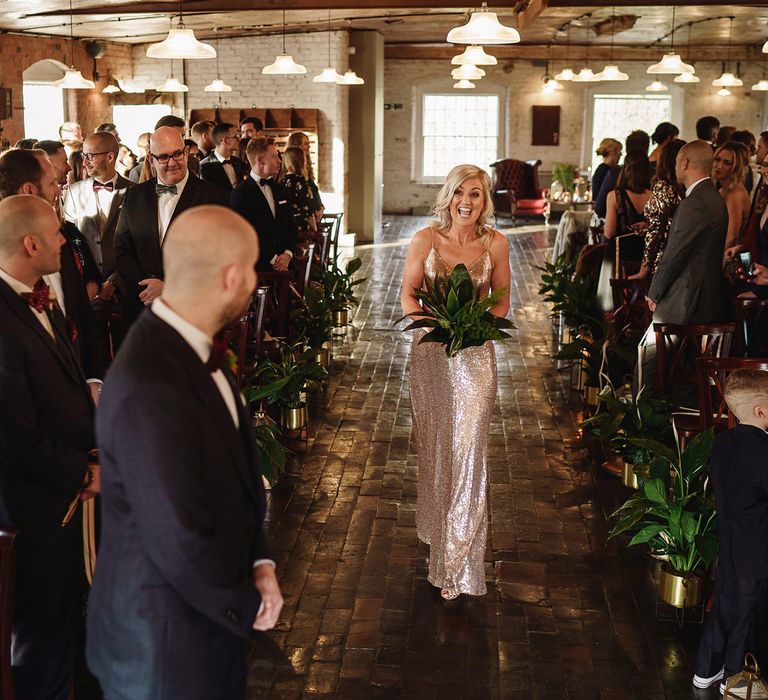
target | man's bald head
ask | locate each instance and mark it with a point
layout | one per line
(166, 139)
(200, 244)
(694, 161)
(19, 215)
(168, 154)
(101, 141)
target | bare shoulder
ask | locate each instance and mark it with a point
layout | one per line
(499, 241)
(422, 239)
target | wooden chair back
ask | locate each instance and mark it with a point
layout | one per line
(302, 270)
(630, 307)
(7, 577)
(335, 221)
(248, 333)
(751, 339)
(278, 300)
(678, 346)
(711, 374)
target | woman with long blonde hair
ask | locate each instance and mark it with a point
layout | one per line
(294, 178)
(452, 398)
(300, 140)
(728, 170)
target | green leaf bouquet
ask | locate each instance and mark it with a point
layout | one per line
(458, 316)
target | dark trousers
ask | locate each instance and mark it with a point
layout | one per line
(737, 625)
(47, 605)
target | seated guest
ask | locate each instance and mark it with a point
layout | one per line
(739, 473)
(707, 128)
(223, 167)
(201, 135)
(93, 205)
(663, 134)
(264, 204)
(638, 140)
(610, 151)
(300, 139)
(148, 209)
(46, 437)
(185, 575)
(660, 208)
(730, 163)
(293, 178)
(748, 139)
(251, 128)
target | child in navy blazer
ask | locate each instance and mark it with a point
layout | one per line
(739, 470)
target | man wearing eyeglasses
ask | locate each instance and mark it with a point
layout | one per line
(148, 210)
(93, 205)
(222, 167)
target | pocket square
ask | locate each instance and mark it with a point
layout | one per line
(283, 201)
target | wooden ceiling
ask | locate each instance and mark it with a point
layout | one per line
(405, 24)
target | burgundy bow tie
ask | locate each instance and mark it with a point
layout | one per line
(40, 298)
(108, 186)
(218, 352)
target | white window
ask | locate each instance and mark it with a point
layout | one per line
(43, 111)
(458, 129)
(133, 120)
(615, 116)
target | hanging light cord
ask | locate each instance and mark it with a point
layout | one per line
(329, 37)
(72, 34)
(283, 27)
(586, 58)
(730, 39)
(613, 29)
(673, 27)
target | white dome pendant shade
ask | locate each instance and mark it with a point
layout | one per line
(727, 80)
(724, 92)
(217, 85)
(284, 65)
(765, 47)
(611, 73)
(329, 75)
(687, 78)
(350, 78)
(565, 74)
(656, 86)
(464, 85)
(181, 43)
(172, 84)
(474, 55)
(585, 75)
(467, 72)
(761, 86)
(73, 80)
(483, 29)
(670, 64)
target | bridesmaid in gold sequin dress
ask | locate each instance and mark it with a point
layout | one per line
(452, 398)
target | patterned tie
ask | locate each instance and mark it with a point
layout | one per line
(164, 189)
(40, 298)
(108, 186)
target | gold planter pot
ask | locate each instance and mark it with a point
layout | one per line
(591, 395)
(628, 476)
(680, 590)
(294, 418)
(340, 318)
(323, 357)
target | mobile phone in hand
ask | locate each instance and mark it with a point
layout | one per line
(745, 259)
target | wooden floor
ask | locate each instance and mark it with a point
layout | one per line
(567, 614)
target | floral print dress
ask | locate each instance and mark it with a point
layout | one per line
(300, 200)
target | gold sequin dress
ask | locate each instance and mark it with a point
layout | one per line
(452, 401)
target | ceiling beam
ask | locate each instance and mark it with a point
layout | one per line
(530, 13)
(597, 54)
(639, 3)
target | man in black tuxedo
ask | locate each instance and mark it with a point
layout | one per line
(31, 172)
(46, 436)
(184, 574)
(222, 167)
(263, 202)
(148, 209)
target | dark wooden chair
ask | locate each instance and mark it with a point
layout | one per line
(278, 301)
(516, 190)
(302, 268)
(711, 374)
(335, 221)
(247, 335)
(7, 576)
(630, 308)
(751, 339)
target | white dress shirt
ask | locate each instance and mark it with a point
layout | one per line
(166, 205)
(693, 186)
(229, 169)
(104, 200)
(19, 288)
(202, 344)
(266, 190)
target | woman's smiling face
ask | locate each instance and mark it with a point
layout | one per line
(468, 202)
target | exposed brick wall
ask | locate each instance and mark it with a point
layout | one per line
(404, 82)
(89, 107)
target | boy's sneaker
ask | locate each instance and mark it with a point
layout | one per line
(740, 691)
(700, 682)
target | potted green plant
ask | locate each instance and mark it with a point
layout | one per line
(674, 514)
(312, 322)
(552, 288)
(339, 286)
(282, 384)
(564, 175)
(271, 452)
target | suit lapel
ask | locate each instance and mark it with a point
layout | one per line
(149, 210)
(108, 230)
(187, 198)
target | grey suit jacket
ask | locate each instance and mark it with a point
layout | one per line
(81, 208)
(688, 286)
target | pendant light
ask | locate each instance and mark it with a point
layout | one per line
(688, 77)
(656, 86)
(464, 85)
(765, 47)
(180, 43)
(350, 78)
(762, 84)
(567, 73)
(73, 79)
(611, 72)
(112, 86)
(284, 63)
(670, 63)
(728, 79)
(484, 29)
(586, 74)
(467, 72)
(329, 74)
(172, 84)
(474, 55)
(724, 92)
(217, 85)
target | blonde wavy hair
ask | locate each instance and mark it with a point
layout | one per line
(740, 163)
(442, 208)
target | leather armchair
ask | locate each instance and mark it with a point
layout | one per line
(516, 190)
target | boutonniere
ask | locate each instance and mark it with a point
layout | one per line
(73, 334)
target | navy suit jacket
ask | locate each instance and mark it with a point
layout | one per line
(276, 233)
(211, 170)
(137, 237)
(182, 510)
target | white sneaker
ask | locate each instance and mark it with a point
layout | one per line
(740, 691)
(700, 682)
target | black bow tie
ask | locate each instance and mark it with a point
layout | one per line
(226, 162)
(264, 181)
(160, 188)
